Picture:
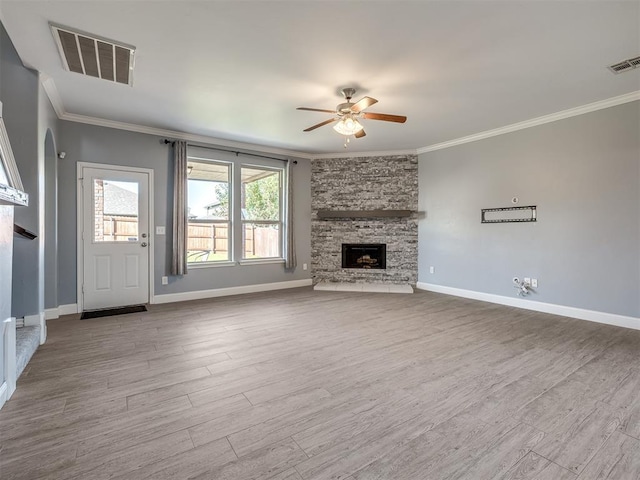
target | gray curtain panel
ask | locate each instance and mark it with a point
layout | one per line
(180, 220)
(290, 261)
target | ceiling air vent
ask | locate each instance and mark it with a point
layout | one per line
(625, 65)
(94, 56)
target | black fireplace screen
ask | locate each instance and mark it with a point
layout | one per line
(364, 255)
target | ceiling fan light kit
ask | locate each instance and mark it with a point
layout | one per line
(348, 126)
(348, 113)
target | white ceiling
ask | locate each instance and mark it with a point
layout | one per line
(236, 70)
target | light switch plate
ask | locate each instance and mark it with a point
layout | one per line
(160, 230)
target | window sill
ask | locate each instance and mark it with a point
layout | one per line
(261, 261)
(196, 266)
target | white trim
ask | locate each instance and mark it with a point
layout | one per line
(566, 311)
(223, 292)
(260, 261)
(52, 92)
(176, 135)
(571, 112)
(80, 220)
(32, 320)
(4, 394)
(221, 263)
(57, 312)
(69, 309)
(10, 368)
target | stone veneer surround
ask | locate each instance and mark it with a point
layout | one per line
(365, 183)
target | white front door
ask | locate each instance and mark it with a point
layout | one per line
(115, 236)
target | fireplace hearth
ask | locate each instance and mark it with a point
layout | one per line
(367, 256)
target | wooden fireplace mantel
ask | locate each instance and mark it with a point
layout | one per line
(363, 213)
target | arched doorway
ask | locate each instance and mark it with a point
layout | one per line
(50, 222)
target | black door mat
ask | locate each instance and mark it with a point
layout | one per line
(107, 312)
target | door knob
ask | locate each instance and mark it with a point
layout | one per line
(143, 244)
(144, 235)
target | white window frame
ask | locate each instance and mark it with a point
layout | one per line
(279, 222)
(236, 224)
(230, 229)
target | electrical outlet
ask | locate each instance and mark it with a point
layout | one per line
(304, 266)
(165, 280)
(432, 269)
(160, 230)
(527, 281)
(534, 282)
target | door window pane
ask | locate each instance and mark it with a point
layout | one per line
(209, 232)
(115, 211)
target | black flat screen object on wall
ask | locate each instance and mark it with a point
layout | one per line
(509, 214)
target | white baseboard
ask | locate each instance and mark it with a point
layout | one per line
(32, 320)
(53, 313)
(4, 390)
(223, 292)
(8, 337)
(573, 312)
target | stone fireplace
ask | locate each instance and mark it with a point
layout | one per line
(365, 202)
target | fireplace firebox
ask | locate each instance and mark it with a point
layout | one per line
(364, 255)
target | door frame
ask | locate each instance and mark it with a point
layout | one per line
(80, 223)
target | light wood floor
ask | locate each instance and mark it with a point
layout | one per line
(309, 385)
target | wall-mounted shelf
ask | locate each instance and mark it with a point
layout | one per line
(363, 213)
(24, 232)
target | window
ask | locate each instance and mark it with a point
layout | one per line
(261, 212)
(115, 211)
(209, 226)
(236, 209)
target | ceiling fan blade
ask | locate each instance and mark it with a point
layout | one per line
(360, 134)
(363, 103)
(331, 120)
(315, 110)
(385, 117)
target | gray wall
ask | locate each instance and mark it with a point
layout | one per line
(87, 143)
(19, 95)
(583, 173)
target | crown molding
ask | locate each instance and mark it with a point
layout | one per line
(52, 92)
(389, 153)
(176, 135)
(553, 117)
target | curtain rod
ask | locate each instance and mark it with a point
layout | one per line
(237, 152)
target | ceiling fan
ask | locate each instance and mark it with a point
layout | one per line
(347, 114)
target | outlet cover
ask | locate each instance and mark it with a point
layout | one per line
(160, 230)
(534, 282)
(527, 281)
(165, 280)
(432, 269)
(304, 266)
